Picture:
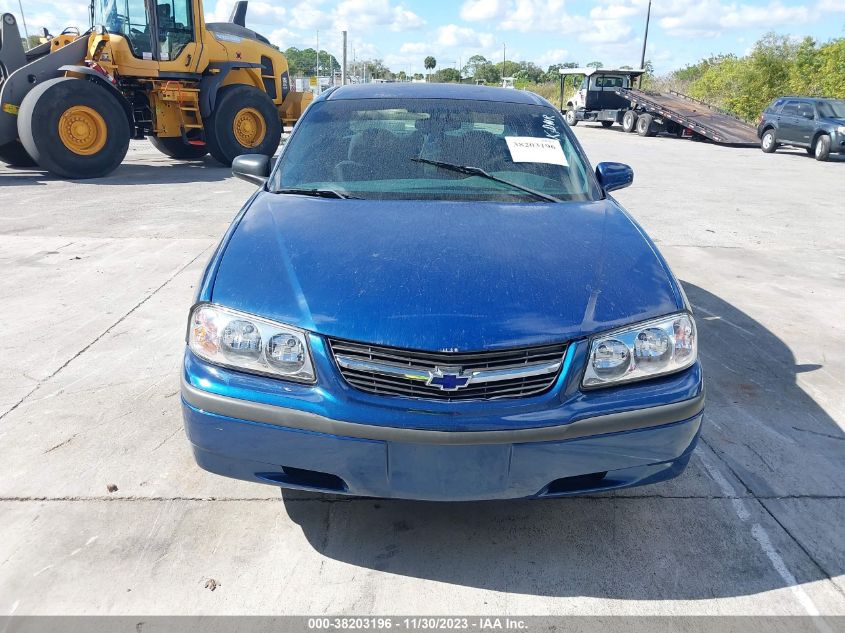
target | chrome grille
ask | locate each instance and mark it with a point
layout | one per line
(510, 373)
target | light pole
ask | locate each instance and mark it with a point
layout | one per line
(343, 68)
(23, 19)
(645, 40)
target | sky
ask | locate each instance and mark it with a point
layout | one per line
(404, 32)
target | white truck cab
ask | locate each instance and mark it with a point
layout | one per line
(595, 98)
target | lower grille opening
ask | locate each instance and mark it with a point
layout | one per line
(575, 484)
(305, 478)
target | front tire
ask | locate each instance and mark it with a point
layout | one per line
(629, 121)
(821, 149)
(571, 119)
(768, 142)
(245, 121)
(14, 154)
(176, 148)
(74, 128)
(645, 125)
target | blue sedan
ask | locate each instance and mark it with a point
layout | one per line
(433, 296)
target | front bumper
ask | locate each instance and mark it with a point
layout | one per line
(562, 443)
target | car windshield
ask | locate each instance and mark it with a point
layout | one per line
(832, 109)
(413, 149)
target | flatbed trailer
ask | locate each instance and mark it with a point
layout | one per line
(674, 112)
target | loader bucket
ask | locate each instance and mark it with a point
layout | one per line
(294, 105)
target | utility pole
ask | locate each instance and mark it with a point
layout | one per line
(645, 40)
(343, 68)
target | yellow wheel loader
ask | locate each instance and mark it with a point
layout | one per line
(146, 68)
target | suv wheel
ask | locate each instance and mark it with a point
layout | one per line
(769, 143)
(822, 147)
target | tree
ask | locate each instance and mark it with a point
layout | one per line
(376, 69)
(31, 42)
(474, 63)
(526, 72)
(595, 65)
(402, 76)
(447, 75)
(429, 63)
(304, 62)
(490, 74)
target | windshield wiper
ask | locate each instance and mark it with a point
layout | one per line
(317, 193)
(477, 171)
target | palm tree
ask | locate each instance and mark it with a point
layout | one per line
(429, 64)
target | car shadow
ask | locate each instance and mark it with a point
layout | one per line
(800, 153)
(675, 540)
(129, 173)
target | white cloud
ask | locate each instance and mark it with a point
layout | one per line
(553, 56)
(477, 10)
(830, 6)
(452, 35)
(371, 14)
(775, 13)
(709, 18)
(416, 48)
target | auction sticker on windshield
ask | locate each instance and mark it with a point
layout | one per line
(531, 149)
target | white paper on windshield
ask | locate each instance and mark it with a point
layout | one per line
(532, 149)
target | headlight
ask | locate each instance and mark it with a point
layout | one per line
(249, 343)
(649, 349)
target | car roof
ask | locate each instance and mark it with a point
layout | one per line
(407, 90)
(814, 99)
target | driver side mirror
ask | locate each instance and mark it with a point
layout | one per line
(254, 168)
(612, 176)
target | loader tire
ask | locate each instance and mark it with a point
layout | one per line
(73, 128)
(244, 121)
(176, 148)
(15, 155)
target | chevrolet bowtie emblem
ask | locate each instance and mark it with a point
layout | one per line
(448, 378)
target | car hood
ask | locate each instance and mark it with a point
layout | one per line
(443, 275)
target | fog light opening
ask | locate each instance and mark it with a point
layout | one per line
(575, 484)
(306, 479)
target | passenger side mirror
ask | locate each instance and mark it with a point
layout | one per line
(612, 176)
(808, 115)
(254, 168)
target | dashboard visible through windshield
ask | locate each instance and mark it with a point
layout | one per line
(434, 149)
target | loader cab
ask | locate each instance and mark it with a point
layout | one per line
(154, 30)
